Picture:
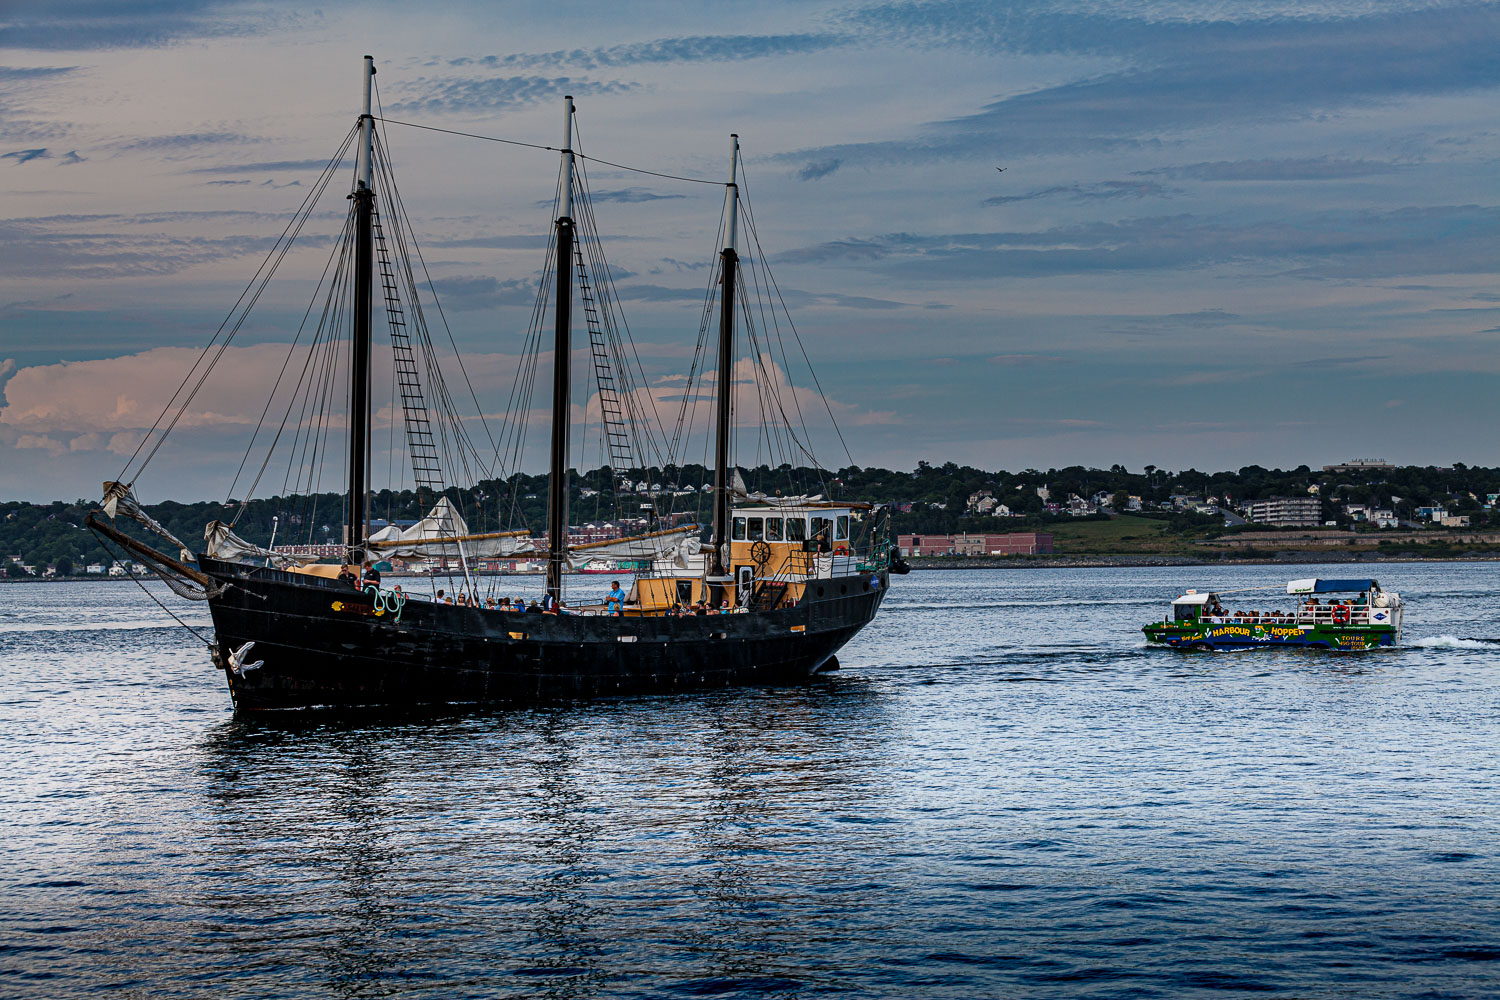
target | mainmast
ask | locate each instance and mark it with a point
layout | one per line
(356, 528)
(724, 390)
(562, 350)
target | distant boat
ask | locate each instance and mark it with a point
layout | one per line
(1368, 620)
(781, 584)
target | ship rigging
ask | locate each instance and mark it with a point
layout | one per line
(780, 583)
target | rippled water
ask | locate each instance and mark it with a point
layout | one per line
(1002, 794)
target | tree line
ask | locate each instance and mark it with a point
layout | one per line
(54, 534)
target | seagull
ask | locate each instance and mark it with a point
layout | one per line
(1001, 169)
(237, 661)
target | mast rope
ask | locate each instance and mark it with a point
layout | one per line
(262, 277)
(556, 149)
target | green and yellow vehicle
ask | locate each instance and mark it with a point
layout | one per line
(1359, 616)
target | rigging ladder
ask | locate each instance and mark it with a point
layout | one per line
(616, 437)
(426, 469)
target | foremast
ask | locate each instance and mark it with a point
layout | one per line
(562, 350)
(724, 386)
(356, 519)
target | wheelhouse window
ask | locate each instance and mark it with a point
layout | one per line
(796, 529)
(739, 529)
(820, 525)
(757, 529)
(773, 529)
(841, 530)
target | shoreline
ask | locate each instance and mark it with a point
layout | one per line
(919, 564)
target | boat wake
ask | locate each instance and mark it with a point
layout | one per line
(1455, 642)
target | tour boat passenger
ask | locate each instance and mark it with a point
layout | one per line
(614, 601)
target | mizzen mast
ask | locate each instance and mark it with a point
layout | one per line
(356, 521)
(724, 388)
(557, 480)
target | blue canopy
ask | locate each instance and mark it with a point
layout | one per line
(1329, 586)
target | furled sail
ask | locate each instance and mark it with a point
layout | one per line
(120, 499)
(222, 543)
(676, 544)
(441, 533)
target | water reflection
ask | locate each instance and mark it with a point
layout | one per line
(549, 851)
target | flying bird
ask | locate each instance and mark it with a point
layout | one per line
(1001, 169)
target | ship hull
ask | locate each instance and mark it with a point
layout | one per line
(322, 644)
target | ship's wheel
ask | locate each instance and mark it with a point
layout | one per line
(761, 553)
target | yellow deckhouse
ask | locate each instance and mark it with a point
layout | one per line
(776, 551)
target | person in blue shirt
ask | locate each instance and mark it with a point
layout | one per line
(614, 602)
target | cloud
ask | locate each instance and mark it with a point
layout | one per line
(186, 140)
(693, 48)
(1192, 70)
(39, 254)
(127, 393)
(1027, 360)
(74, 25)
(49, 444)
(458, 95)
(25, 155)
(820, 169)
(629, 196)
(71, 157)
(1101, 191)
(1440, 239)
(1320, 168)
(467, 292)
(271, 166)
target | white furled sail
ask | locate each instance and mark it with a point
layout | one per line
(676, 544)
(222, 543)
(441, 533)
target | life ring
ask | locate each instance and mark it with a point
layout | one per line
(1341, 614)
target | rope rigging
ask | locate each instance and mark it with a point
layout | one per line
(445, 458)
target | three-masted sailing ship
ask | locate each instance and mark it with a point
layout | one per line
(780, 583)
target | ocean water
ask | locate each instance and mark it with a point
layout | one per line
(1003, 793)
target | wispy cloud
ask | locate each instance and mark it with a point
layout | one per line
(1183, 72)
(498, 93)
(1320, 168)
(815, 171)
(630, 196)
(474, 291)
(695, 48)
(184, 141)
(269, 166)
(26, 155)
(1456, 239)
(77, 25)
(1102, 191)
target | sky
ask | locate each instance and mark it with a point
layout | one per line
(1225, 233)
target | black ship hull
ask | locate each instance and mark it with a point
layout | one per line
(323, 644)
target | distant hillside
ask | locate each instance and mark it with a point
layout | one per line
(930, 499)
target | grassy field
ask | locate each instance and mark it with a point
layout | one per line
(1122, 535)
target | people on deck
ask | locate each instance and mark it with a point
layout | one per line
(346, 576)
(614, 601)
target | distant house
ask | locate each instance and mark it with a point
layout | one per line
(94, 569)
(1454, 520)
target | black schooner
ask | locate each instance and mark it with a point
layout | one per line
(780, 584)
